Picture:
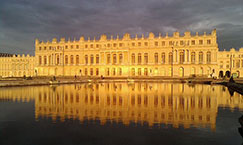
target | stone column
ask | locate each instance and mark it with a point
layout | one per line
(61, 59)
(185, 56)
(196, 57)
(51, 59)
(55, 59)
(189, 57)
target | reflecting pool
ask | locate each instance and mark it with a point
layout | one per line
(120, 113)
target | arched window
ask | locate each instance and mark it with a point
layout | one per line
(49, 61)
(139, 71)
(77, 59)
(170, 57)
(97, 71)
(156, 60)
(133, 58)
(193, 57)
(114, 58)
(91, 59)
(120, 58)
(208, 57)
(45, 60)
(139, 58)
(107, 71)
(91, 71)
(40, 60)
(133, 71)
(97, 59)
(145, 58)
(145, 71)
(163, 57)
(182, 57)
(120, 71)
(200, 57)
(58, 60)
(86, 59)
(108, 61)
(71, 59)
(114, 71)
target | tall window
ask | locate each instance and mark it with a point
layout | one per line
(139, 58)
(200, 57)
(209, 41)
(133, 58)
(108, 59)
(170, 57)
(114, 71)
(193, 57)
(49, 60)
(163, 43)
(145, 58)
(139, 71)
(97, 59)
(208, 57)
(107, 71)
(193, 42)
(40, 60)
(145, 71)
(91, 71)
(45, 61)
(66, 59)
(163, 57)
(200, 42)
(86, 71)
(91, 59)
(156, 43)
(120, 71)
(182, 57)
(86, 59)
(77, 59)
(114, 58)
(71, 59)
(97, 71)
(120, 58)
(156, 60)
(58, 60)
(133, 71)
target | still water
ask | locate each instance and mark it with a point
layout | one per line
(120, 113)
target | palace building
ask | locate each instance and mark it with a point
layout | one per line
(17, 65)
(161, 56)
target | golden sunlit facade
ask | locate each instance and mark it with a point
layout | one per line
(17, 66)
(144, 103)
(152, 56)
(176, 56)
(230, 62)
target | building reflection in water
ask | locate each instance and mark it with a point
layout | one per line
(143, 103)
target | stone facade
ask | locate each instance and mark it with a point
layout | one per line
(124, 57)
(169, 56)
(17, 66)
(230, 62)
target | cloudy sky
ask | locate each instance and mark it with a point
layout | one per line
(21, 21)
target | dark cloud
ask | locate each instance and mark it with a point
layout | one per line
(21, 21)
